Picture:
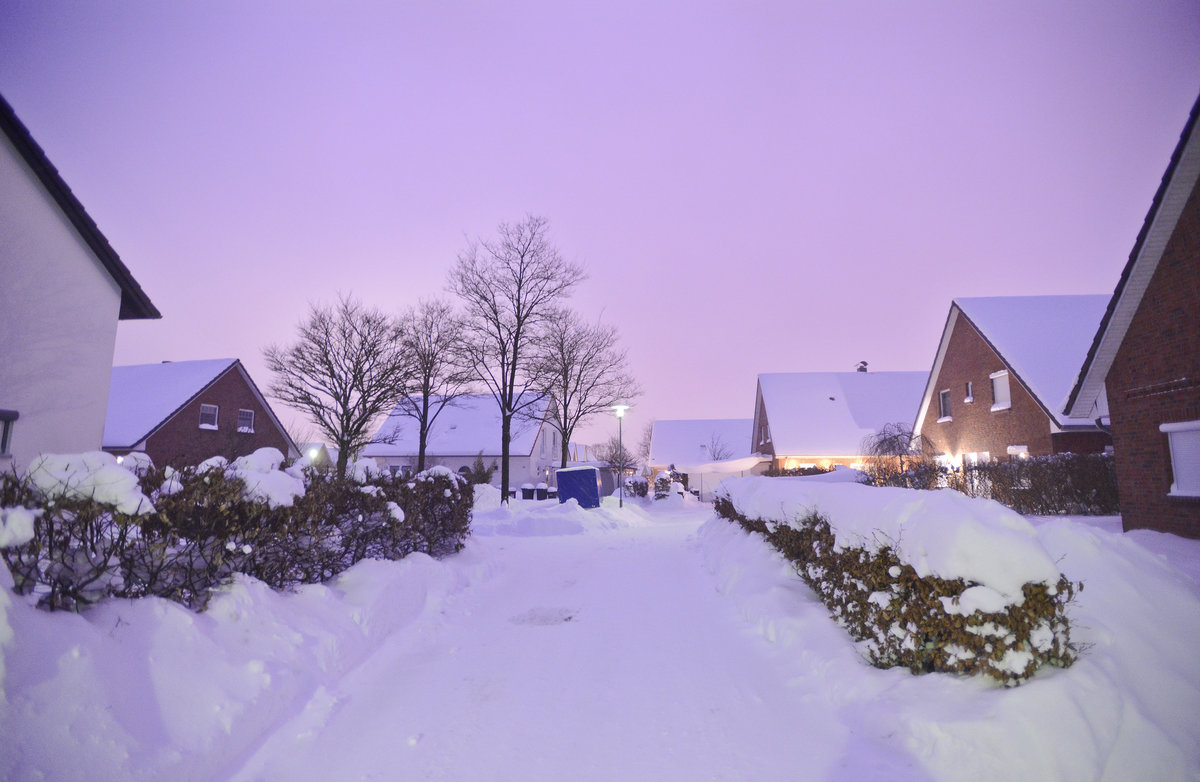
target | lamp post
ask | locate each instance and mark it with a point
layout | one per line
(620, 409)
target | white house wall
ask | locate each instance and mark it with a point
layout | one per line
(58, 321)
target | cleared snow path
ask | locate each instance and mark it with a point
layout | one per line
(592, 656)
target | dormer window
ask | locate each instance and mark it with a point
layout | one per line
(208, 416)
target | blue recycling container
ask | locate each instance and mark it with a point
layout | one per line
(579, 483)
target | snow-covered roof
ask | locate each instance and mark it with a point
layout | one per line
(830, 413)
(1042, 339)
(467, 426)
(690, 441)
(143, 396)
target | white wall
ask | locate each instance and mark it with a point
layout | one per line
(58, 321)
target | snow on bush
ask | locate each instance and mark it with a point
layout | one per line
(264, 481)
(94, 475)
(16, 526)
(96, 535)
(931, 580)
(363, 470)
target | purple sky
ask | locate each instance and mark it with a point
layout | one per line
(753, 186)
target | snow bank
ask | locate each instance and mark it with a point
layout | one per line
(940, 533)
(92, 475)
(147, 690)
(1125, 710)
(535, 518)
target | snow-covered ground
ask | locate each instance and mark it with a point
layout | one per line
(643, 644)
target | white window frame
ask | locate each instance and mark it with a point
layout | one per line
(970, 397)
(1183, 441)
(998, 405)
(241, 427)
(215, 412)
(944, 407)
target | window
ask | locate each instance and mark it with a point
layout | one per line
(208, 416)
(246, 421)
(1000, 397)
(7, 419)
(944, 406)
(1183, 438)
(969, 397)
(1018, 451)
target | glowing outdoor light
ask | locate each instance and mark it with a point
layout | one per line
(620, 409)
(312, 453)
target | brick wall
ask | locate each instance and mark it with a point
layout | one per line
(1154, 379)
(181, 442)
(975, 428)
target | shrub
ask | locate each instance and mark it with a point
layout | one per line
(1080, 484)
(206, 524)
(637, 486)
(796, 472)
(923, 623)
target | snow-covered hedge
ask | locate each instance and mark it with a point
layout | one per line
(928, 580)
(80, 528)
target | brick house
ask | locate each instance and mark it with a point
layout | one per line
(183, 412)
(806, 419)
(64, 289)
(1003, 368)
(1142, 372)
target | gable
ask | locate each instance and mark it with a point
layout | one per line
(135, 304)
(1170, 200)
(143, 397)
(1041, 339)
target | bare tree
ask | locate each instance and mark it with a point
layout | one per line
(617, 455)
(894, 453)
(509, 287)
(718, 449)
(587, 372)
(432, 339)
(644, 443)
(347, 368)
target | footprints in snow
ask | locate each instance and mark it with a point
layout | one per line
(544, 616)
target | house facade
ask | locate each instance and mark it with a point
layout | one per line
(707, 450)
(821, 419)
(1142, 372)
(64, 289)
(180, 413)
(1002, 369)
(466, 428)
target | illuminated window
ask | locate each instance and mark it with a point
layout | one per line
(1183, 438)
(944, 406)
(1001, 400)
(246, 421)
(208, 416)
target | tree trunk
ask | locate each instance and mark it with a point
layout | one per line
(565, 449)
(505, 434)
(424, 437)
(343, 458)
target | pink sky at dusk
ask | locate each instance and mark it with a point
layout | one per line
(753, 187)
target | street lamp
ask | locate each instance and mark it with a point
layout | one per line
(620, 409)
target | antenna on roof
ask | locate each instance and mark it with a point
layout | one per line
(862, 366)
